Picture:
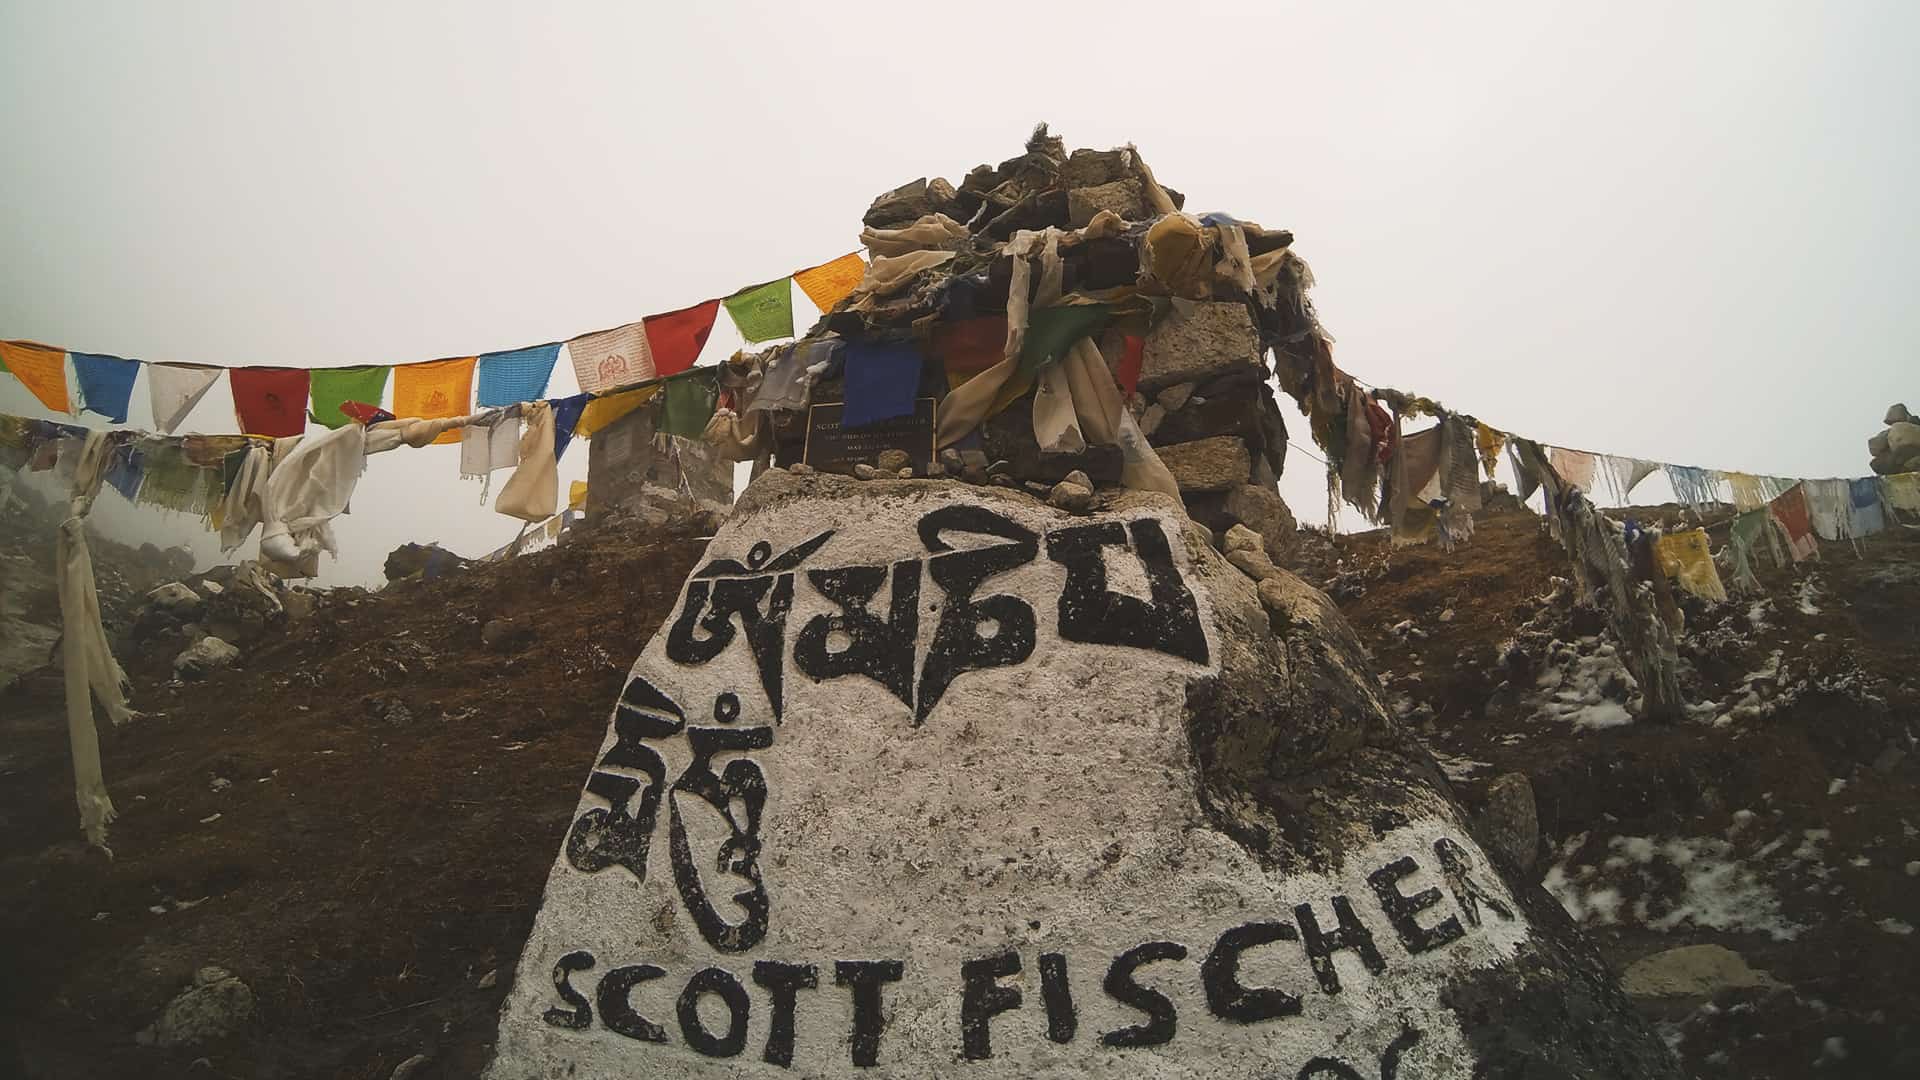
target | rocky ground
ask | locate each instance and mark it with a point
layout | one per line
(331, 844)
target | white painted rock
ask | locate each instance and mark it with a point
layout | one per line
(207, 655)
(928, 779)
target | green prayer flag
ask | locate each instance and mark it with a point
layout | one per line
(1052, 331)
(763, 312)
(333, 387)
(687, 404)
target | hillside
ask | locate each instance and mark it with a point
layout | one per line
(356, 819)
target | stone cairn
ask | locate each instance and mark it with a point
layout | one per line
(954, 776)
(1896, 449)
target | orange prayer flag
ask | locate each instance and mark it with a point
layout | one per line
(676, 338)
(431, 390)
(42, 368)
(829, 283)
(602, 411)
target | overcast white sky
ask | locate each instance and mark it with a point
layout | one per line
(1683, 232)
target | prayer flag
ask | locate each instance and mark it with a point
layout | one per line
(829, 283)
(566, 416)
(577, 495)
(270, 401)
(1131, 361)
(1791, 511)
(334, 387)
(106, 383)
(1866, 516)
(602, 411)
(676, 338)
(785, 383)
(970, 346)
(175, 389)
(42, 369)
(1051, 331)
(486, 447)
(606, 359)
(508, 378)
(434, 390)
(1829, 506)
(1574, 466)
(763, 312)
(1684, 557)
(687, 404)
(882, 382)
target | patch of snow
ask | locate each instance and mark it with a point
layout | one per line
(1587, 686)
(1836, 787)
(1895, 926)
(1716, 889)
(1809, 590)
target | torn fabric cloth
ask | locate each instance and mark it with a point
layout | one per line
(688, 403)
(1790, 509)
(244, 504)
(517, 375)
(487, 447)
(736, 437)
(1748, 491)
(125, 470)
(1865, 516)
(532, 492)
(1743, 539)
(270, 402)
(171, 482)
(334, 387)
(566, 416)
(1683, 556)
(1902, 491)
(175, 389)
(1488, 442)
(831, 282)
(1830, 502)
(1526, 482)
(1051, 331)
(106, 383)
(42, 369)
(1698, 488)
(1623, 474)
(968, 405)
(1022, 293)
(1368, 429)
(434, 390)
(763, 312)
(675, 339)
(1056, 428)
(1576, 468)
(1097, 404)
(785, 385)
(970, 346)
(882, 382)
(609, 359)
(307, 489)
(886, 276)
(930, 231)
(86, 659)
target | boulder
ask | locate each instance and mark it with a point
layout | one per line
(1123, 197)
(176, 599)
(216, 1006)
(1012, 792)
(428, 560)
(1217, 464)
(1507, 818)
(1897, 414)
(1212, 339)
(204, 657)
(1692, 971)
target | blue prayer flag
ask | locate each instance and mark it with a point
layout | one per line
(508, 378)
(106, 383)
(882, 382)
(566, 414)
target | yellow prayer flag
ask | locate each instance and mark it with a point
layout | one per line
(830, 283)
(1684, 557)
(432, 390)
(603, 411)
(43, 369)
(577, 495)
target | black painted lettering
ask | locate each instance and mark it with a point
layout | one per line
(739, 788)
(1062, 1021)
(615, 997)
(1168, 621)
(865, 978)
(1401, 910)
(1220, 975)
(759, 593)
(723, 985)
(1390, 1061)
(880, 649)
(982, 997)
(621, 833)
(1161, 1020)
(973, 633)
(1326, 1066)
(1349, 934)
(581, 1015)
(1456, 865)
(783, 983)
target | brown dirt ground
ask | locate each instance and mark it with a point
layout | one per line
(398, 792)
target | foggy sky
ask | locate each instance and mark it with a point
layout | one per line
(1680, 232)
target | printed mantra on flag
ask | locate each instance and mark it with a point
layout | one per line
(728, 603)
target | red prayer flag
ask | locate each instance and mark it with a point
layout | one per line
(1129, 374)
(970, 346)
(676, 338)
(270, 401)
